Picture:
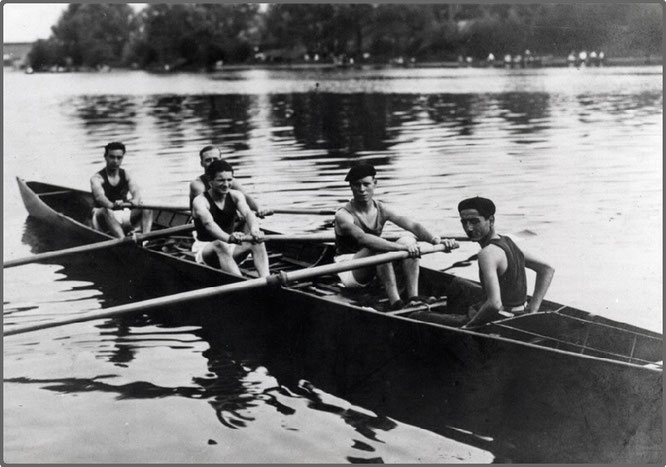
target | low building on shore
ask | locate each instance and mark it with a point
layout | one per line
(15, 54)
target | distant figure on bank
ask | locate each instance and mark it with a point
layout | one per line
(571, 59)
(501, 266)
(582, 58)
(358, 227)
(113, 189)
(202, 183)
(215, 213)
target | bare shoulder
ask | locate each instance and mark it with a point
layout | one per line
(389, 211)
(236, 185)
(342, 215)
(237, 195)
(200, 202)
(96, 178)
(491, 253)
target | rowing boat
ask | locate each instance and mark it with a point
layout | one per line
(589, 385)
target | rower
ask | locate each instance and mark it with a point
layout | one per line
(358, 227)
(113, 189)
(207, 155)
(501, 266)
(215, 213)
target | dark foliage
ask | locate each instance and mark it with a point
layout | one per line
(203, 36)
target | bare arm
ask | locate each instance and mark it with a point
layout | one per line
(201, 211)
(98, 193)
(417, 229)
(489, 263)
(344, 225)
(250, 200)
(244, 209)
(134, 189)
(544, 276)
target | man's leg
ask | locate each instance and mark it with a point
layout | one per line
(410, 268)
(105, 217)
(386, 275)
(259, 254)
(260, 258)
(224, 254)
(145, 216)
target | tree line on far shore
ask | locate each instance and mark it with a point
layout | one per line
(206, 36)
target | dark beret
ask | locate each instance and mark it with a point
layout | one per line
(484, 206)
(360, 171)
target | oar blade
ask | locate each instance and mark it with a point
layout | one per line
(97, 246)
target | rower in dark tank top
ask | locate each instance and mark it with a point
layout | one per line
(224, 217)
(220, 242)
(501, 266)
(116, 192)
(116, 197)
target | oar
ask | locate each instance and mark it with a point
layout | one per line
(313, 212)
(281, 278)
(330, 237)
(158, 207)
(97, 246)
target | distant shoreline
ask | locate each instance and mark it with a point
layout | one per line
(546, 62)
(541, 62)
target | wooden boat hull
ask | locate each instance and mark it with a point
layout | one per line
(589, 386)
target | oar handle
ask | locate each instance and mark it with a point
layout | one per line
(97, 246)
(282, 278)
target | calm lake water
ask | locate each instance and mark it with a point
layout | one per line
(571, 157)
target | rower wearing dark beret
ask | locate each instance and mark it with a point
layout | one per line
(501, 266)
(358, 229)
(360, 171)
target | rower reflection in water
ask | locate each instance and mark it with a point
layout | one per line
(215, 213)
(113, 189)
(501, 266)
(358, 227)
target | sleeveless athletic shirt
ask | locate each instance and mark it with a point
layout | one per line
(225, 218)
(513, 283)
(344, 244)
(118, 192)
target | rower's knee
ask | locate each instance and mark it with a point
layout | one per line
(406, 240)
(107, 216)
(258, 248)
(221, 247)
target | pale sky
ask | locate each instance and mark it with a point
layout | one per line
(27, 22)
